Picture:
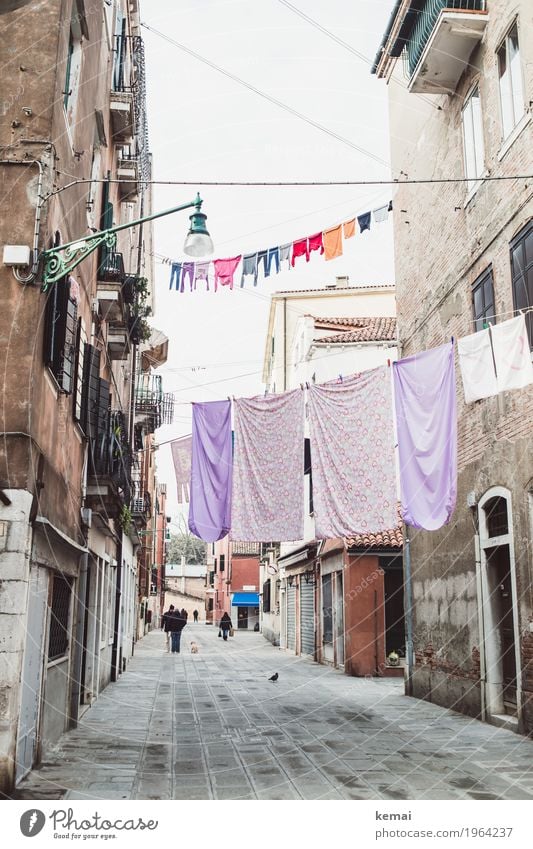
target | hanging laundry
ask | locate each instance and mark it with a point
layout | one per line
(175, 274)
(224, 271)
(181, 456)
(332, 240)
(268, 470)
(211, 470)
(349, 228)
(352, 455)
(187, 271)
(201, 274)
(477, 366)
(512, 355)
(285, 254)
(381, 214)
(300, 248)
(249, 267)
(364, 221)
(262, 258)
(315, 243)
(273, 257)
(426, 421)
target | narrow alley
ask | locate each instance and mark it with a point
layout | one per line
(212, 726)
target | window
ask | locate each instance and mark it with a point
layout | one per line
(81, 342)
(215, 565)
(522, 274)
(496, 517)
(60, 333)
(474, 149)
(266, 597)
(222, 564)
(59, 617)
(510, 78)
(483, 300)
(73, 66)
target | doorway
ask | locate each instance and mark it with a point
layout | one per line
(327, 619)
(242, 618)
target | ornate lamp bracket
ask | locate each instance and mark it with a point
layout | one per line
(60, 261)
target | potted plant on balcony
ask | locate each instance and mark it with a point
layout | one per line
(139, 328)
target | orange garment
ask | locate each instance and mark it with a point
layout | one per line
(332, 241)
(349, 228)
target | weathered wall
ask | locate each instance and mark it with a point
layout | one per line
(444, 239)
(364, 615)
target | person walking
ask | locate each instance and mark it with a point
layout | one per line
(225, 625)
(195, 614)
(176, 623)
(164, 624)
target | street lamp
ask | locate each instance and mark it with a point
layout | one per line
(61, 260)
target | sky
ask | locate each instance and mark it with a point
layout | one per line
(204, 126)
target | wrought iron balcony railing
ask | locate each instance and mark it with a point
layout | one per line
(111, 266)
(110, 452)
(425, 24)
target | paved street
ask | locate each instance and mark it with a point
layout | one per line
(211, 726)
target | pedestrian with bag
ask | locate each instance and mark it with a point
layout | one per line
(225, 626)
(195, 614)
(176, 624)
(164, 624)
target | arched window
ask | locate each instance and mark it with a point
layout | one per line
(496, 516)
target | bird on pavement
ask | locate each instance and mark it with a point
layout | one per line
(274, 677)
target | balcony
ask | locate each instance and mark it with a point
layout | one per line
(128, 177)
(141, 502)
(122, 115)
(152, 406)
(118, 342)
(109, 477)
(441, 42)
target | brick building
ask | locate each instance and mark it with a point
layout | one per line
(464, 258)
(74, 160)
(233, 583)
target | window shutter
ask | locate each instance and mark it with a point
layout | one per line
(68, 349)
(90, 391)
(81, 343)
(60, 334)
(102, 406)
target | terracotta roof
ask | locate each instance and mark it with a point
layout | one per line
(379, 329)
(385, 539)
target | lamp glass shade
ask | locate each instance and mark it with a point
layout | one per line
(198, 244)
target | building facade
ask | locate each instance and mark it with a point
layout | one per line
(74, 161)
(185, 588)
(464, 260)
(332, 600)
(232, 583)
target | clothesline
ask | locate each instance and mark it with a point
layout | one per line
(329, 242)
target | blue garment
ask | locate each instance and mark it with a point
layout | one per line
(364, 221)
(175, 639)
(262, 258)
(175, 273)
(273, 256)
(249, 266)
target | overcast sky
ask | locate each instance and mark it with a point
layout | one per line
(205, 126)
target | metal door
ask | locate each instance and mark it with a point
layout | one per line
(32, 671)
(307, 618)
(291, 618)
(339, 620)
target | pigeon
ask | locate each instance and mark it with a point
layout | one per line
(274, 677)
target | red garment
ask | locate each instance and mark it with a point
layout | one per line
(315, 243)
(224, 271)
(300, 248)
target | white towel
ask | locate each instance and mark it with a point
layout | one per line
(510, 342)
(381, 214)
(477, 366)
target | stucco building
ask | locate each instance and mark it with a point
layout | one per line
(74, 160)
(460, 112)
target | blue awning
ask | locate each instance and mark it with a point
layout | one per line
(245, 600)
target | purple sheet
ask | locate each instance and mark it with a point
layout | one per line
(211, 470)
(424, 391)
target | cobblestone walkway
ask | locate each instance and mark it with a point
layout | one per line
(211, 726)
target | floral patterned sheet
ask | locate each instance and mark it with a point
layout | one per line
(352, 455)
(268, 468)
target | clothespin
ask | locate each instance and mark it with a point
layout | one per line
(307, 384)
(340, 377)
(301, 386)
(388, 363)
(453, 340)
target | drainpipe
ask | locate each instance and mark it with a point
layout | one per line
(481, 614)
(75, 694)
(408, 611)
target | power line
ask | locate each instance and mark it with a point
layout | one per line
(267, 97)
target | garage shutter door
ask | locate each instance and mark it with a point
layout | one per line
(291, 618)
(307, 618)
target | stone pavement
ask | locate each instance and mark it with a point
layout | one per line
(211, 726)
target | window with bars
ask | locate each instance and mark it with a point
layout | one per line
(58, 637)
(483, 300)
(522, 274)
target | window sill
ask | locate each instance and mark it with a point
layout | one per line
(510, 140)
